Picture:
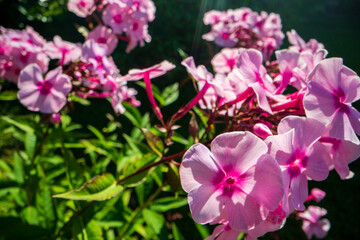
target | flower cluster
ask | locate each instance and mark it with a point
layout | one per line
(19, 49)
(257, 172)
(129, 17)
(245, 28)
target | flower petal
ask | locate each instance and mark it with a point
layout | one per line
(198, 167)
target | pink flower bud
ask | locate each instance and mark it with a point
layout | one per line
(261, 130)
(316, 195)
(55, 118)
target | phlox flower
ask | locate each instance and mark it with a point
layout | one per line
(116, 16)
(273, 222)
(312, 222)
(82, 8)
(316, 195)
(298, 44)
(225, 61)
(331, 90)
(123, 94)
(138, 34)
(103, 35)
(96, 54)
(65, 51)
(250, 70)
(342, 153)
(236, 179)
(45, 95)
(300, 156)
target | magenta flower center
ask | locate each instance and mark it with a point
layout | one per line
(81, 4)
(231, 63)
(230, 181)
(297, 162)
(46, 87)
(117, 18)
(101, 40)
(135, 26)
(340, 98)
(24, 57)
(2, 51)
(225, 35)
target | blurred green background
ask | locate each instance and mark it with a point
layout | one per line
(178, 25)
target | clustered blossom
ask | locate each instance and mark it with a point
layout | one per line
(245, 28)
(304, 134)
(129, 17)
(19, 48)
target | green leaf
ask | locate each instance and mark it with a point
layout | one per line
(96, 132)
(45, 206)
(154, 220)
(94, 231)
(154, 142)
(8, 95)
(17, 124)
(176, 232)
(202, 230)
(170, 94)
(30, 144)
(82, 101)
(19, 169)
(99, 188)
(168, 203)
(74, 171)
(30, 215)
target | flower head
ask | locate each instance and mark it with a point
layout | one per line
(45, 95)
(243, 185)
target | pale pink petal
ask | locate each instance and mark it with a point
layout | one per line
(328, 73)
(307, 130)
(30, 76)
(243, 212)
(281, 146)
(340, 127)
(322, 228)
(319, 103)
(53, 102)
(267, 182)
(343, 154)
(299, 191)
(261, 97)
(205, 203)
(198, 167)
(237, 150)
(316, 167)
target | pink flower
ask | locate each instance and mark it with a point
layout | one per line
(55, 118)
(250, 70)
(123, 94)
(316, 195)
(82, 8)
(116, 16)
(45, 95)
(224, 232)
(342, 153)
(261, 130)
(65, 51)
(300, 157)
(104, 35)
(331, 90)
(312, 224)
(96, 54)
(225, 61)
(274, 221)
(138, 33)
(237, 178)
(147, 74)
(300, 45)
